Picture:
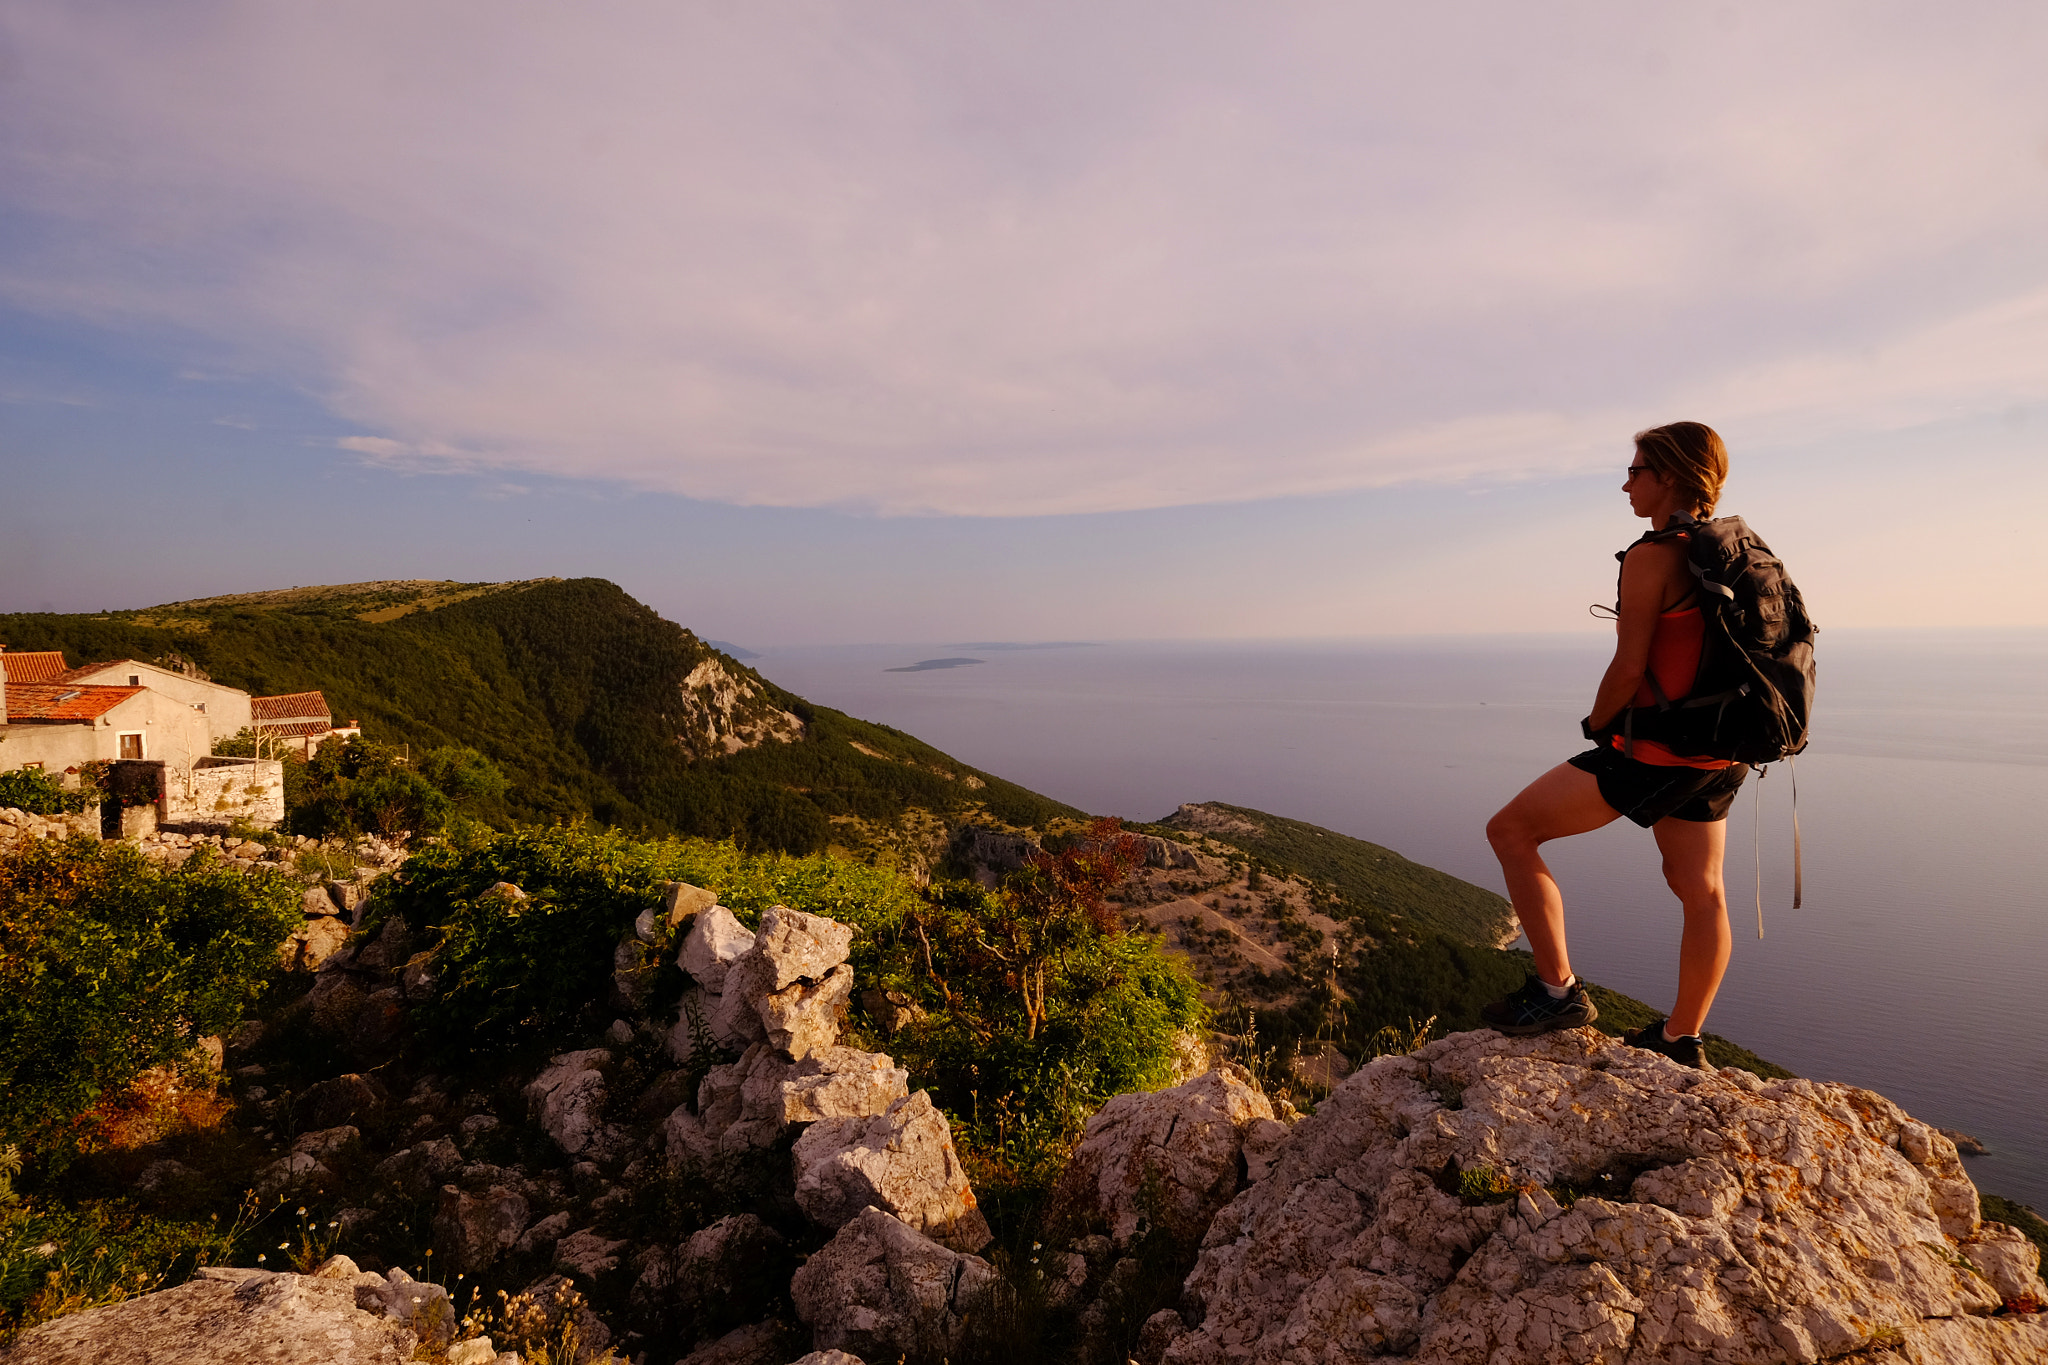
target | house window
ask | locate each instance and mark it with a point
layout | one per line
(135, 680)
(131, 745)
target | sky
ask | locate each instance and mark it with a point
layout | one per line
(845, 322)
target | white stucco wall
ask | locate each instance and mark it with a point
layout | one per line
(226, 708)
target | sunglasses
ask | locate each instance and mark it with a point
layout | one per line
(1636, 469)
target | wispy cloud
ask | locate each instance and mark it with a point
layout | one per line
(1000, 260)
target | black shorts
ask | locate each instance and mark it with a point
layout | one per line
(1647, 792)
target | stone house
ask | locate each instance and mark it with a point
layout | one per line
(299, 721)
(60, 724)
(227, 709)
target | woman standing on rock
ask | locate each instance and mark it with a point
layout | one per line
(1681, 799)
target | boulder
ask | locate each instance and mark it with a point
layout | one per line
(800, 947)
(567, 1101)
(543, 1235)
(232, 1317)
(804, 1016)
(292, 1174)
(2008, 1260)
(330, 1146)
(389, 950)
(586, 1254)
(473, 1230)
(350, 1099)
(1165, 1160)
(750, 1103)
(680, 900)
(714, 943)
(829, 1358)
(901, 1162)
(1567, 1197)
(760, 1343)
(424, 1309)
(413, 1173)
(791, 948)
(315, 903)
(311, 943)
(726, 1273)
(881, 1289)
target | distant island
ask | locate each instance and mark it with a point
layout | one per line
(926, 665)
(731, 650)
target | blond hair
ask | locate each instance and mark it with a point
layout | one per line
(1689, 456)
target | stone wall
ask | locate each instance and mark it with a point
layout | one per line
(218, 791)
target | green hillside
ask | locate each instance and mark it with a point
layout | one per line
(576, 690)
(1367, 876)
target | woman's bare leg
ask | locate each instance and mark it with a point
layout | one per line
(1692, 866)
(1562, 802)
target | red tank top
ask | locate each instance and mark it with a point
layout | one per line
(1674, 663)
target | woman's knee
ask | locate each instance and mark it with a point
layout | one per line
(1508, 832)
(1695, 885)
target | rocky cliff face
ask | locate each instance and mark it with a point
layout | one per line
(1571, 1199)
(724, 710)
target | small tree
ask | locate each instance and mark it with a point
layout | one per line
(1053, 904)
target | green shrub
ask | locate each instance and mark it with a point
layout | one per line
(110, 964)
(55, 1260)
(35, 791)
(523, 974)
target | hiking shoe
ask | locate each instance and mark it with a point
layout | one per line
(1686, 1051)
(1532, 1010)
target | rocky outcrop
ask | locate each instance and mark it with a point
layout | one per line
(1168, 1160)
(900, 1161)
(725, 708)
(1567, 1198)
(881, 1289)
(337, 1315)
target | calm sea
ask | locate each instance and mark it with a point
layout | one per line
(1917, 967)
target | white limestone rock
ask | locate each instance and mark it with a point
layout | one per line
(1171, 1156)
(882, 1289)
(1705, 1216)
(567, 1100)
(231, 1317)
(901, 1161)
(750, 1103)
(715, 941)
(804, 1017)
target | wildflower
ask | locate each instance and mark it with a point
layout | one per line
(302, 1210)
(284, 1246)
(261, 1258)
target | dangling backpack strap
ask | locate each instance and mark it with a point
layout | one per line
(1798, 878)
(1756, 844)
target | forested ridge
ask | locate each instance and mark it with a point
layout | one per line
(570, 686)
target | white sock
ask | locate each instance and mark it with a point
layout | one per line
(1560, 992)
(1671, 1037)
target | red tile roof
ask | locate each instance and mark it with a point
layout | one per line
(291, 706)
(57, 704)
(33, 666)
(295, 729)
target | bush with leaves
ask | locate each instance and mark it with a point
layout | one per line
(360, 787)
(111, 963)
(35, 791)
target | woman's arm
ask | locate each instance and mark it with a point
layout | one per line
(1645, 579)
